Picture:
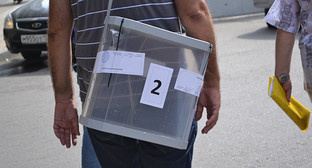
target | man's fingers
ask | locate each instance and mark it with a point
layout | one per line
(56, 131)
(74, 139)
(75, 132)
(75, 127)
(62, 136)
(287, 88)
(67, 138)
(288, 95)
(212, 117)
(67, 132)
(209, 125)
(59, 133)
(212, 113)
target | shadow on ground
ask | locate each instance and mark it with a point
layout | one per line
(264, 33)
(20, 66)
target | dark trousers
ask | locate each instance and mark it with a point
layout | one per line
(114, 151)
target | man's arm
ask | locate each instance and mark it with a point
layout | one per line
(283, 51)
(196, 19)
(65, 126)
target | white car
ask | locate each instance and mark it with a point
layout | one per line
(264, 4)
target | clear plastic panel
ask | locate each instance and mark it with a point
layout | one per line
(115, 98)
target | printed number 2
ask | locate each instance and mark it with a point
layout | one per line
(157, 87)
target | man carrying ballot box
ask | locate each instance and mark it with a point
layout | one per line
(88, 17)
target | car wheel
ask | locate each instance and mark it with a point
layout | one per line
(31, 55)
(269, 25)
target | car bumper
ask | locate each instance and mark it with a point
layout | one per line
(12, 38)
(265, 4)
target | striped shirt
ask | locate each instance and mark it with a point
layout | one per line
(89, 17)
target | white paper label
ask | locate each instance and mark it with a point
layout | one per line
(120, 62)
(156, 85)
(189, 82)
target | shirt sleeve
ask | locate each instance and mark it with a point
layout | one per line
(284, 14)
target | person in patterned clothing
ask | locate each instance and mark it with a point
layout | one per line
(291, 17)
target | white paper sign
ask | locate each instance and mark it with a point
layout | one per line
(189, 82)
(156, 85)
(120, 62)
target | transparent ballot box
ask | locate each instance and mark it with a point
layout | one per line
(145, 83)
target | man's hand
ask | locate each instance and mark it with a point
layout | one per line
(66, 125)
(287, 88)
(210, 99)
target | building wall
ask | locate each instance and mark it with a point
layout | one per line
(222, 8)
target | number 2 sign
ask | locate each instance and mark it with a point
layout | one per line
(156, 85)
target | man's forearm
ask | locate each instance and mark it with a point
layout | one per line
(283, 51)
(196, 19)
(59, 52)
(60, 69)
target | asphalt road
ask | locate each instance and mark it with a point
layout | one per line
(252, 130)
